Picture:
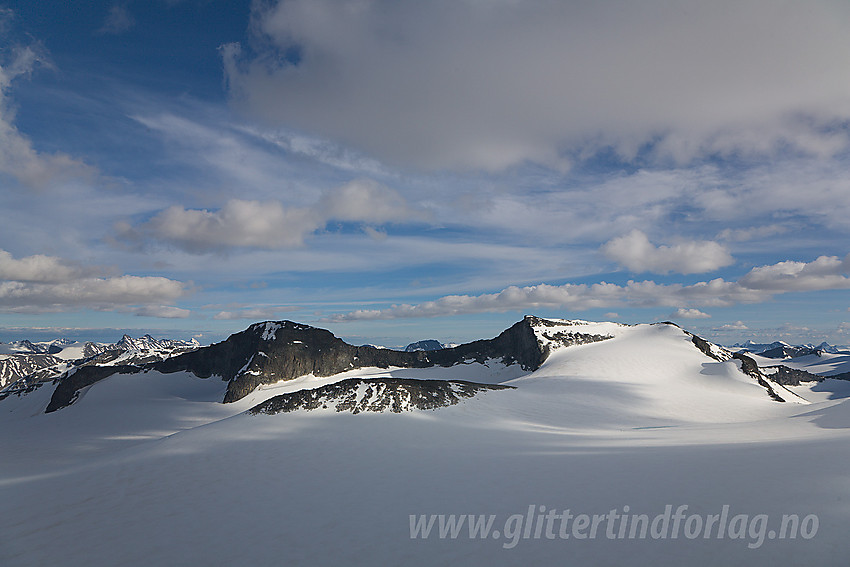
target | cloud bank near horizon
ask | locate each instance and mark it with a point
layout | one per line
(45, 284)
(759, 285)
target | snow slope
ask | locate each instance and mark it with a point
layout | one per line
(148, 469)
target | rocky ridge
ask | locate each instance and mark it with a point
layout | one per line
(376, 395)
(271, 352)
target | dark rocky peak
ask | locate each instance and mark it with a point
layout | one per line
(272, 351)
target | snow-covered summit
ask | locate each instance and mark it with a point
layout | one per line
(553, 334)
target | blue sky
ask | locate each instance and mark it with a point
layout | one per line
(398, 171)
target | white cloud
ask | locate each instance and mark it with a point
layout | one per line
(826, 272)
(757, 286)
(269, 225)
(689, 313)
(736, 326)
(45, 283)
(98, 293)
(709, 198)
(493, 84)
(40, 268)
(635, 252)
(252, 224)
(18, 158)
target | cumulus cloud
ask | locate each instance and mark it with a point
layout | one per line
(28, 285)
(826, 272)
(40, 268)
(489, 85)
(18, 158)
(759, 285)
(239, 223)
(635, 252)
(269, 225)
(689, 313)
(736, 326)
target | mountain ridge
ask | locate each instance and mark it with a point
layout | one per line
(273, 352)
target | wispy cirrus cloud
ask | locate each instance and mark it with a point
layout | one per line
(745, 234)
(18, 157)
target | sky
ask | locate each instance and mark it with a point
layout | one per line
(395, 171)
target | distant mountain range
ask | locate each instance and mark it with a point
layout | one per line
(25, 363)
(273, 352)
(781, 349)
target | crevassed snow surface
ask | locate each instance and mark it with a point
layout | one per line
(149, 469)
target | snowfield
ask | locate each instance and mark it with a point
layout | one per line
(150, 469)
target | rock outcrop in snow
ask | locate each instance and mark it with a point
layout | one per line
(376, 395)
(13, 367)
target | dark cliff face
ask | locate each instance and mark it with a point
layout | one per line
(269, 352)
